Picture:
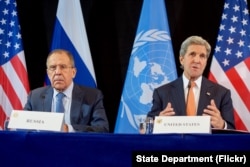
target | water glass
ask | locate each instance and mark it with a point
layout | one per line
(142, 127)
(149, 125)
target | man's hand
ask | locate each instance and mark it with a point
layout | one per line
(168, 111)
(216, 119)
(65, 128)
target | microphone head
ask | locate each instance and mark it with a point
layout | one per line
(189, 84)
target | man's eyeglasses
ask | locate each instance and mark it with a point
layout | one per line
(62, 67)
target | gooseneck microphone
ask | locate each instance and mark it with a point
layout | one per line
(189, 87)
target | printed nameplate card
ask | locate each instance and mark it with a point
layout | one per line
(182, 124)
(35, 120)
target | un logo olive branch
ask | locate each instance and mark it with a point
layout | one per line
(152, 35)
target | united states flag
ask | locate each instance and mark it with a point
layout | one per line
(13, 73)
(231, 62)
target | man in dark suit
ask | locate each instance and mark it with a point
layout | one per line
(210, 98)
(83, 106)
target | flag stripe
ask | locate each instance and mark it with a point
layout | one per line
(247, 61)
(20, 69)
(6, 102)
(15, 68)
(241, 69)
(2, 118)
(14, 83)
(10, 90)
(230, 65)
(237, 82)
(73, 32)
(82, 70)
(238, 104)
(70, 34)
(240, 124)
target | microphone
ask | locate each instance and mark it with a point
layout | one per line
(6, 123)
(189, 86)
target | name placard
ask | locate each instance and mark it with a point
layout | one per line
(35, 120)
(182, 124)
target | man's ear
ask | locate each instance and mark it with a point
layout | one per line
(74, 72)
(181, 59)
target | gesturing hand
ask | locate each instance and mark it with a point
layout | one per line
(65, 128)
(216, 119)
(168, 111)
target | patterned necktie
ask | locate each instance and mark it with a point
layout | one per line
(191, 111)
(59, 102)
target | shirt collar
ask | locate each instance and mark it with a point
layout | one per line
(67, 92)
(186, 81)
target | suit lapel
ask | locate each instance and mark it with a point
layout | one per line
(205, 95)
(76, 103)
(179, 98)
(47, 101)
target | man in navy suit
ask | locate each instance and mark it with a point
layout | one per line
(83, 106)
(210, 98)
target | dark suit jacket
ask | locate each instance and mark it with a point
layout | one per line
(87, 112)
(173, 92)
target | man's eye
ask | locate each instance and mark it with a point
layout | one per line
(192, 54)
(52, 68)
(63, 67)
(203, 56)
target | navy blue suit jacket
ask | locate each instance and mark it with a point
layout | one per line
(87, 113)
(173, 92)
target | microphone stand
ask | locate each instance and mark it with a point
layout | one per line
(189, 86)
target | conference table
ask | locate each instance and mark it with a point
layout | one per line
(27, 148)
